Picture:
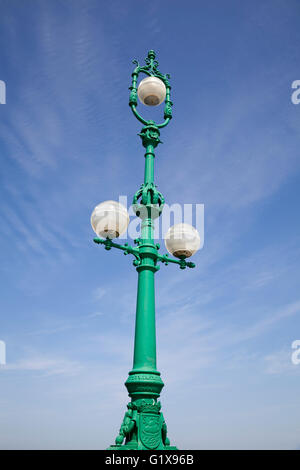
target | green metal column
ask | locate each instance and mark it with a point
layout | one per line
(145, 341)
(145, 337)
(143, 426)
(144, 380)
(149, 164)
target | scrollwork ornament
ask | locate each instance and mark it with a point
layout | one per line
(150, 135)
(147, 405)
(133, 96)
(150, 69)
(127, 426)
(168, 110)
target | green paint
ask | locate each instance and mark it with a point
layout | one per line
(143, 426)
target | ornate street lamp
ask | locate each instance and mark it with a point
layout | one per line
(143, 426)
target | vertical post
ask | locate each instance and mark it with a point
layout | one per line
(144, 380)
(149, 164)
(145, 336)
(143, 426)
(145, 339)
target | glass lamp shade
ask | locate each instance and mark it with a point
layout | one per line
(182, 240)
(109, 219)
(152, 91)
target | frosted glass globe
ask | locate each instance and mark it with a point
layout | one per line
(152, 91)
(182, 240)
(109, 219)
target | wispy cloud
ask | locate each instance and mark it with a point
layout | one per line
(95, 314)
(46, 366)
(99, 293)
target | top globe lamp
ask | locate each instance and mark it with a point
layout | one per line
(109, 219)
(151, 91)
(182, 240)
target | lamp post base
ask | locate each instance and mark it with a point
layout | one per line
(131, 447)
(143, 427)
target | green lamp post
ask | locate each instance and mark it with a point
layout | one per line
(143, 426)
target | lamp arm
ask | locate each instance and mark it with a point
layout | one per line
(127, 249)
(143, 121)
(137, 115)
(165, 259)
(165, 123)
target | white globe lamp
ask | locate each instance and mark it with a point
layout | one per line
(109, 219)
(182, 240)
(151, 91)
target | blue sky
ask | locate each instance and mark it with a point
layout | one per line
(68, 141)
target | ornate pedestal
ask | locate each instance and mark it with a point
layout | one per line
(143, 426)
